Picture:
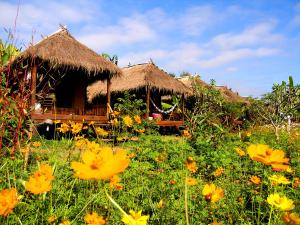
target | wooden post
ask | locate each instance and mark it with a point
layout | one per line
(148, 102)
(182, 106)
(108, 101)
(33, 85)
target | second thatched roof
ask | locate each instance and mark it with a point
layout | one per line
(227, 93)
(137, 77)
(61, 50)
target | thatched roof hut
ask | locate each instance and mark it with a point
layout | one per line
(229, 95)
(138, 77)
(62, 51)
(190, 82)
(226, 92)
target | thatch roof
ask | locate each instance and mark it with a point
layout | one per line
(61, 50)
(229, 95)
(137, 77)
(190, 82)
(226, 92)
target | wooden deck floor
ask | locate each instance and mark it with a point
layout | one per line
(102, 120)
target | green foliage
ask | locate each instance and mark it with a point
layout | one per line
(282, 102)
(13, 100)
(155, 182)
(129, 105)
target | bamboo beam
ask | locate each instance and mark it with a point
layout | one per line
(33, 84)
(148, 102)
(108, 98)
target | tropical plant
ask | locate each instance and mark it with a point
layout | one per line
(280, 105)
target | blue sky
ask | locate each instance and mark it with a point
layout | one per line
(246, 45)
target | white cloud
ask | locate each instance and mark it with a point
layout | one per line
(142, 57)
(42, 18)
(229, 56)
(129, 30)
(260, 34)
(197, 19)
(296, 19)
(231, 69)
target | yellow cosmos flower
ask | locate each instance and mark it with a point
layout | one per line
(212, 193)
(240, 152)
(278, 179)
(218, 172)
(114, 182)
(215, 223)
(161, 204)
(101, 132)
(135, 218)
(191, 181)
(94, 219)
(36, 144)
(115, 113)
(255, 180)
(40, 181)
(64, 128)
(291, 219)
(65, 222)
(283, 203)
(114, 122)
(100, 165)
(76, 127)
(8, 201)
(137, 119)
(266, 155)
(127, 121)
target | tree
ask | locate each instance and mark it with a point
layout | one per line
(280, 105)
(114, 59)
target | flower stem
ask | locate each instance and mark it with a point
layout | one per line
(271, 211)
(186, 202)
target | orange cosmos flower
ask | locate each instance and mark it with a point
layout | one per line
(94, 219)
(191, 181)
(218, 172)
(100, 165)
(137, 119)
(296, 182)
(114, 182)
(140, 131)
(212, 193)
(40, 181)
(266, 155)
(127, 121)
(191, 165)
(172, 182)
(255, 180)
(51, 219)
(186, 133)
(291, 219)
(8, 201)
